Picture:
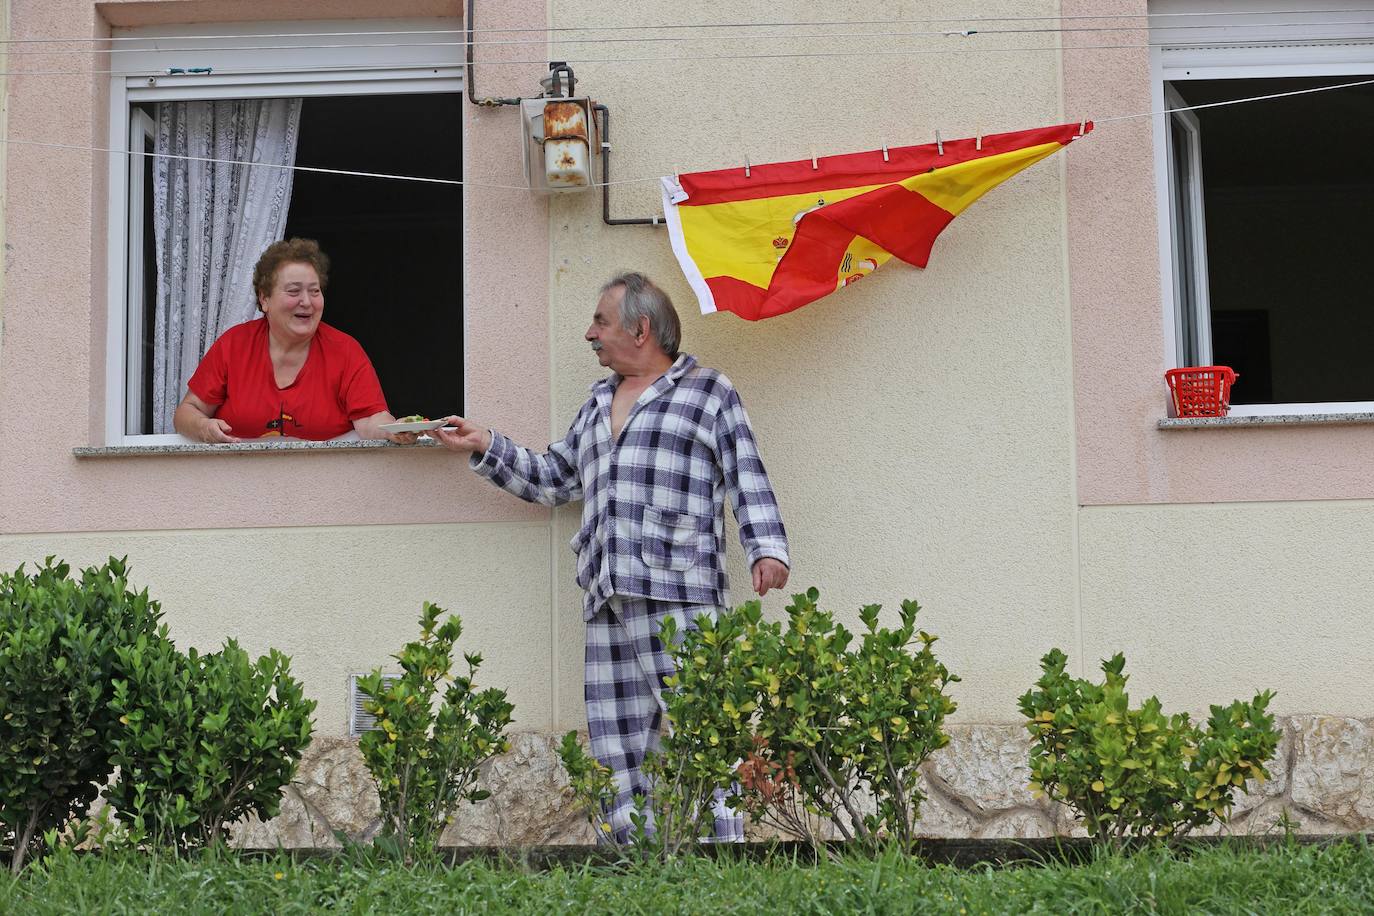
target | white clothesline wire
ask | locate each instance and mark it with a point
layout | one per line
(688, 58)
(1254, 98)
(713, 25)
(560, 42)
(623, 181)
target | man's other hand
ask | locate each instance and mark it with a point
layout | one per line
(769, 573)
(465, 436)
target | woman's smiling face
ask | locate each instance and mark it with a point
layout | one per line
(294, 308)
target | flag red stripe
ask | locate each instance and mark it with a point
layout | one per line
(856, 169)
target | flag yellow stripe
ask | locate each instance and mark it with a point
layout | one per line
(955, 187)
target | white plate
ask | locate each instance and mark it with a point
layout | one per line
(419, 426)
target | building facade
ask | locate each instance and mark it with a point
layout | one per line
(991, 435)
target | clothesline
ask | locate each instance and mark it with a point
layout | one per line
(624, 181)
(720, 25)
(560, 42)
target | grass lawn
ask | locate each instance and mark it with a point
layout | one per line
(1288, 879)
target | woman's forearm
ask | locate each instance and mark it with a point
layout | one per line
(189, 421)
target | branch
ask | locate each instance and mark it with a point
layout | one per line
(842, 796)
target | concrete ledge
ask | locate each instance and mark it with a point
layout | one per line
(244, 448)
(1280, 419)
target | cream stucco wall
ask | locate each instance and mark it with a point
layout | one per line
(4, 130)
(1220, 561)
(1215, 602)
(341, 601)
(979, 435)
(918, 426)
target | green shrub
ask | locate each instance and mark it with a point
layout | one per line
(590, 783)
(58, 659)
(809, 725)
(1137, 772)
(205, 739)
(424, 760)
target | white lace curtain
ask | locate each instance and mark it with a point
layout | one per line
(211, 221)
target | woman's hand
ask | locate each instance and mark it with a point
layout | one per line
(371, 428)
(214, 429)
(466, 436)
(196, 420)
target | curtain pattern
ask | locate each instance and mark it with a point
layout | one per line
(211, 222)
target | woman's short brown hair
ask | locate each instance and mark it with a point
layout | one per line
(288, 251)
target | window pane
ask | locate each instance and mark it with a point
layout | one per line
(1185, 232)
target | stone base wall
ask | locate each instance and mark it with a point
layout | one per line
(1323, 780)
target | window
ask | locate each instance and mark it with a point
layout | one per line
(1264, 214)
(190, 231)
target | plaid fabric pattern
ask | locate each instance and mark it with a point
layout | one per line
(653, 511)
(625, 669)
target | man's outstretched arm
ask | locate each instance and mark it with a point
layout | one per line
(550, 479)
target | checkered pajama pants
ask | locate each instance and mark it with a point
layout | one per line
(625, 668)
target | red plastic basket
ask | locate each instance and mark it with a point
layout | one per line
(1201, 391)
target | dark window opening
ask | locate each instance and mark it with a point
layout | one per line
(1288, 192)
(395, 247)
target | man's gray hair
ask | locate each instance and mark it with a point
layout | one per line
(645, 300)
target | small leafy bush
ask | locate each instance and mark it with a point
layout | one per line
(424, 760)
(801, 725)
(852, 723)
(58, 658)
(1137, 772)
(590, 783)
(205, 740)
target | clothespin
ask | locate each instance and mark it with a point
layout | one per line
(978, 142)
(1082, 127)
(746, 166)
(675, 170)
(939, 144)
(813, 160)
(885, 156)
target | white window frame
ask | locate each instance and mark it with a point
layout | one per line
(1190, 199)
(1330, 49)
(251, 66)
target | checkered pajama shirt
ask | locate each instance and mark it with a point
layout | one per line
(653, 501)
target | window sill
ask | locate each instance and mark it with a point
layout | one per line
(1282, 419)
(243, 448)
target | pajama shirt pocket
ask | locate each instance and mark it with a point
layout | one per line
(670, 540)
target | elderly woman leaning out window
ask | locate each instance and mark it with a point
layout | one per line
(288, 374)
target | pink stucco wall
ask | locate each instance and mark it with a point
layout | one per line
(1118, 323)
(52, 366)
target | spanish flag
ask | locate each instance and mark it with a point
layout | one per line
(789, 233)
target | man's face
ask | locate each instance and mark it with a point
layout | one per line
(612, 344)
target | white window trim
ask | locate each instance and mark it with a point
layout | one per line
(373, 70)
(1201, 310)
(1335, 50)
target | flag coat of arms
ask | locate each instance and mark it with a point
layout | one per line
(788, 233)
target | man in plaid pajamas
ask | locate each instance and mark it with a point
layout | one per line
(652, 454)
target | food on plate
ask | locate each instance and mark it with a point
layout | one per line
(413, 418)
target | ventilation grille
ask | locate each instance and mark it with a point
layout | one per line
(359, 719)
